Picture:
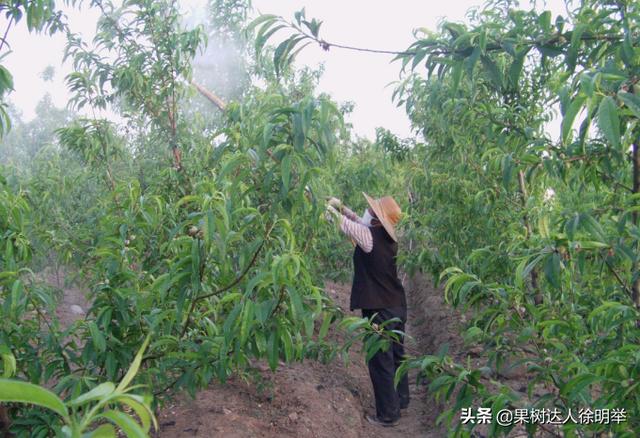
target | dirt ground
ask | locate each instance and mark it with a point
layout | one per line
(311, 399)
(72, 303)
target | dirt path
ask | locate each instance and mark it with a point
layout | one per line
(312, 399)
(307, 399)
(315, 400)
(433, 325)
(73, 303)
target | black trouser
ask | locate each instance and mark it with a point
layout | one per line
(383, 365)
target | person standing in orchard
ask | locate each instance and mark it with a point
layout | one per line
(378, 292)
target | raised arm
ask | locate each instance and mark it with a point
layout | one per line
(351, 225)
(343, 209)
(360, 233)
(350, 214)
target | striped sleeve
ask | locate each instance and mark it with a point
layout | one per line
(350, 214)
(360, 233)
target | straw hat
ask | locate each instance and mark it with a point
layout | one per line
(388, 212)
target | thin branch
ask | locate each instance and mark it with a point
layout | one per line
(616, 183)
(6, 32)
(617, 276)
(238, 279)
(230, 285)
(53, 333)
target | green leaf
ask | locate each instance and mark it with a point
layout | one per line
(6, 80)
(552, 270)
(592, 245)
(247, 321)
(587, 83)
(324, 328)
(515, 70)
(592, 226)
(127, 424)
(263, 36)
(472, 60)
(570, 115)
(577, 384)
(8, 361)
(608, 120)
(135, 365)
(195, 267)
(507, 170)
(528, 268)
(296, 303)
(210, 227)
(273, 350)
(264, 18)
(419, 56)
(287, 343)
(99, 343)
(96, 393)
(576, 42)
(280, 55)
(631, 101)
(543, 226)
(456, 74)
(298, 132)
(493, 71)
(141, 409)
(104, 431)
(472, 334)
(231, 320)
(14, 391)
(286, 172)
(627, 52)
(519, 278)
(544, 20)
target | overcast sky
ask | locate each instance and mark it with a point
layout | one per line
(363, 78)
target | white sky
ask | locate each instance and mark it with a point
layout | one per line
(349, 76)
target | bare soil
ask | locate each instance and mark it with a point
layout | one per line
(74, 303)
(311, 399)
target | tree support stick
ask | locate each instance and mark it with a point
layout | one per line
(210, 96)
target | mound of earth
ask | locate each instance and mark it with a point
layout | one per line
(312, 399)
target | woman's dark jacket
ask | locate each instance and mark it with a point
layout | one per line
(375, 278)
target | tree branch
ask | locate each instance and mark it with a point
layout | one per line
(6, 32)
(230, 285)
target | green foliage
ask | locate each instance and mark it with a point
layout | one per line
(392, 146)
(84, 414)
(305, 32)
(40, 15)
(208, 233)
(537, 238)
(201, 236)
(543, 233)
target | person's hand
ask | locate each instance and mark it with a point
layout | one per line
(331, 214)
(334, 202)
